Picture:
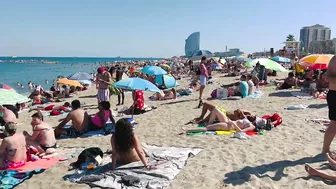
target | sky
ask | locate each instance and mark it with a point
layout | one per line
(152, 28)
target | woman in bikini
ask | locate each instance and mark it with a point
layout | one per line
(242, 124)
(126, 146)
(99, 120)
(43, 138)
(12, 148)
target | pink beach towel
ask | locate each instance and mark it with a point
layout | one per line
(39, 164)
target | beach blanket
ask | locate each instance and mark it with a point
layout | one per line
(10, 179)
(101, 132)
(325, 122)
(249, 133)
(304, 95)
(169, 161)
(296, 107)
(256, 94)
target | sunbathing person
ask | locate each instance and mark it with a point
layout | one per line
(209, 107)
(100, 119)
(243, 123)
(164, 95)
(321, 87)
(65, 108)
(79, 118)
(126, 146)
(288, 83)
(12, 148)
(7, 116)
(43, 138)
(318, 173)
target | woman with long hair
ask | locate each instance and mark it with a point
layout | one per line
(126, 146)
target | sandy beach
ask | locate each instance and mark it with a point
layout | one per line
(273, 160)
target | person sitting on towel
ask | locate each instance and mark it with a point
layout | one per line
(99, 120)
(7, 116)
(288, 83)
(243, 124)
(80, 121)
(241, 88)
(232, 115)
(126, 146)
(12, 148)
(164, 95)
(43, 138)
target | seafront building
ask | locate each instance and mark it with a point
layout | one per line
(192, 44)
(313, 33)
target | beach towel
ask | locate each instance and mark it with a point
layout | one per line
(109, 127)
(301, 95)
(296, 107)
(249, 133)
(169, 161)
(11, 178)
(325, 122)
(256, 94)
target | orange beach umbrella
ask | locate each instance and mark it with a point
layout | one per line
(69, 82)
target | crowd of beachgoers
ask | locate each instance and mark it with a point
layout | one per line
(17, 148)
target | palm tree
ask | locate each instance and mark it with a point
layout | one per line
(290, 37)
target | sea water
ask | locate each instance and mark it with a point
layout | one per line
(31, 69)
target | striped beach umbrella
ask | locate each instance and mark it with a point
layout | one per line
(316, 61)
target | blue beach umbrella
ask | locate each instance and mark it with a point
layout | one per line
(153, 70)
(135, 83)
(168, 80)
(242, 58)
(199, 54)
(281, 59)
(80, 76)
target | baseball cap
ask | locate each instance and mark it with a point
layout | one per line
(100, 70)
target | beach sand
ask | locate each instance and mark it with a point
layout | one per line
(274, 160)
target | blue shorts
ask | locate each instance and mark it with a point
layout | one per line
(203, 80)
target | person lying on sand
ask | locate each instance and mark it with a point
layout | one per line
(318, 173)
(79, 118)
(99, 120)
(43, 138)
(210, 107)
(241, 88)
(164, 95)
(65, 108)
(12, 148)
(243, 124)
(126, 146)
(7, 116)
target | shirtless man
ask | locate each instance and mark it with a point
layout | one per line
(43, 137)
(79, 118)
(331, 99)
(12, 148)
(8, 116)
(103, 81)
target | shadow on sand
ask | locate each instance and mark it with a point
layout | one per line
(180, 101)
(282, 94)
(242, 176)
(317, 106)
(88, 96)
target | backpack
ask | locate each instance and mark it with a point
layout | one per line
(88, 155)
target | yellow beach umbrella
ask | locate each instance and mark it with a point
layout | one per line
(69, 82)
(165, 67)
(316, 61)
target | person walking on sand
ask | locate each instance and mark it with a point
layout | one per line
(203, 79)
(103, 81)
(331, 100)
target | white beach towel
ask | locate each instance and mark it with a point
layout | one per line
(296, 107)
(168, 160)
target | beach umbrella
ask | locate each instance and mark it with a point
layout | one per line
(80, 76)
(8, 97)
(268, 63)
(168, 80)
(316, 61)
(153, 70)
(85, 82)
(199, 54)
(135, 83)
(65, 81)
(281, 59)
(7, 87)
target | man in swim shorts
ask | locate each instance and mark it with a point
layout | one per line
(209, 107)
(12, 148)
(79, 118)
(103, 82)
(331, 100)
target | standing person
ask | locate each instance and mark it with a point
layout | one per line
(121, 96)
(203, 79)
(331, 99)
(102, 84)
